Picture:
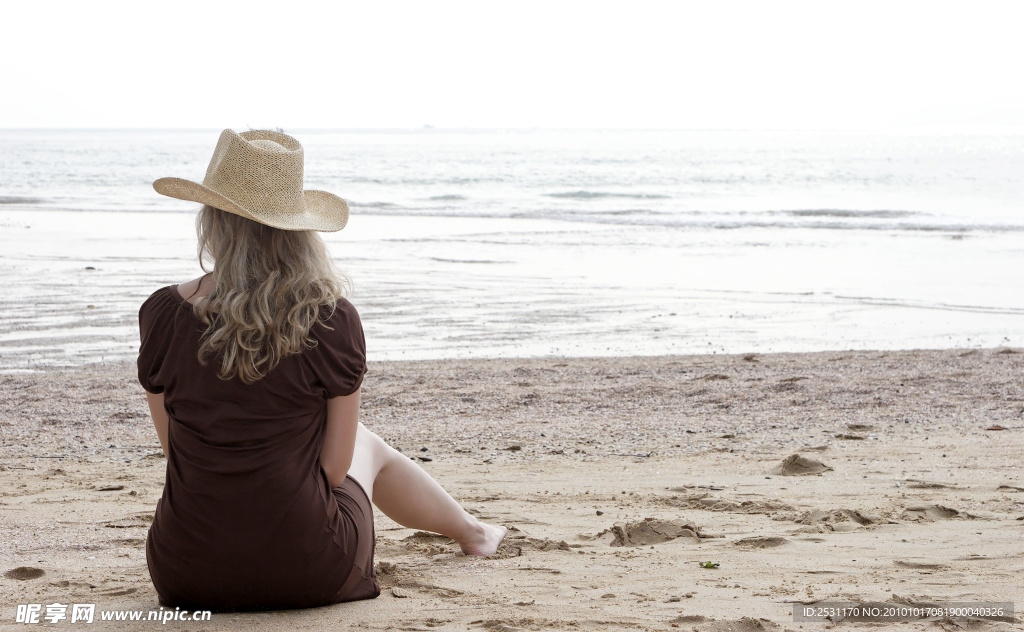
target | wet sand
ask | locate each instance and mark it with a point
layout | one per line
(616, 477)
(459, 287)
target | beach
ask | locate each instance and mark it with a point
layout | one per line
(706, 378)
(616, 476)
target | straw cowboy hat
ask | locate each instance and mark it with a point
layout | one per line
(258, 175)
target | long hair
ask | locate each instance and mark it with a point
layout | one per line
(270, 287)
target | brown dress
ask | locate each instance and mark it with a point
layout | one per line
(247, 520)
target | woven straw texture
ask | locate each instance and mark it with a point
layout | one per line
(258, 174)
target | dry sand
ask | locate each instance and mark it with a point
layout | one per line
(616, 477)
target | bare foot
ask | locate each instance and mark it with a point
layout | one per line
(485, 540)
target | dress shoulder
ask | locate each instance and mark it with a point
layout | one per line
(339, 358)
(163, 300)
(154, 334)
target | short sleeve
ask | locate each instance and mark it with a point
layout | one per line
(339, 358)
(154, 339)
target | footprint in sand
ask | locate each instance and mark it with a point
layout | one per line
(796, 465)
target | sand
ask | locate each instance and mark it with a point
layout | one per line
(856, 476)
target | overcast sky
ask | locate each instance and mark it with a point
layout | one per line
(628, 64)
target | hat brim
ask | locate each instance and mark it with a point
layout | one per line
(324, 212)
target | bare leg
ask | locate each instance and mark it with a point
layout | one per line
(409, 496)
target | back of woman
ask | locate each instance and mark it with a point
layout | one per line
(247, 519)
(252, 374)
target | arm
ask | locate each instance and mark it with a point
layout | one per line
(160, 418)
(340, 437)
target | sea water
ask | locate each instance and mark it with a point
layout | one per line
(547, 242)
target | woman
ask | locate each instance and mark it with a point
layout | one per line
(252, 374)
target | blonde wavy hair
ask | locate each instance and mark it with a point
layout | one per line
(270, 286)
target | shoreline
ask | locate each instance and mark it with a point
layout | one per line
(923, 501)
(430, 287)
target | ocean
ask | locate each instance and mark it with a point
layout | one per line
(498, 243)
(719, 179)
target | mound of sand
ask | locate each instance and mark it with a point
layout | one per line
(796, 465)
(25, 572)
(649, 531)
(934, 512)
(761, 542)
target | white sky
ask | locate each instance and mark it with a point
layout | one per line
(628, 64)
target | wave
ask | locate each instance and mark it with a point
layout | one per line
(466, 260)
(810, 219)
(849, 213)
(16, 199)
(723, 221)
(406, 181)
(588, 195)
(629, 211)
(958, 229)
(447, 198)
(372, 204)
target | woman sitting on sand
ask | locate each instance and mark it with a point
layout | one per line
(252, 373)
